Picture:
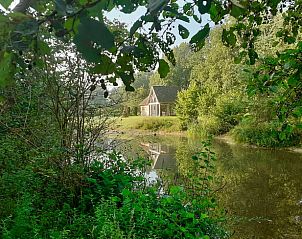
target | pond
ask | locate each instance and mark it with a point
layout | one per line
(262, 189)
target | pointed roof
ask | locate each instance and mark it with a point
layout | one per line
(145, 101)
(165, 94)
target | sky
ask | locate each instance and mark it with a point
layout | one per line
(129, 19)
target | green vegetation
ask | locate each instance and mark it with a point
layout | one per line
(265, 134)
(57, 178)
(258, 105)
(178, 76)
(215, 100)
(63, 182)
(164, 123)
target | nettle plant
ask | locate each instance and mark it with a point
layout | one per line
(113, 54)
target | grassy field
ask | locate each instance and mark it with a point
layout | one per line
(164, 123)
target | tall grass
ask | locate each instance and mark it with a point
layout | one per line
(167, 123)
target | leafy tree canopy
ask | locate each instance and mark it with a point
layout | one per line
(114, 56)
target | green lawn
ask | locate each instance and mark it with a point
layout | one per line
(164, 123)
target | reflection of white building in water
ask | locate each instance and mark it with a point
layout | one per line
(163, 156)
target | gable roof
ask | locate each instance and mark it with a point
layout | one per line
(145, 102)
(165, 94)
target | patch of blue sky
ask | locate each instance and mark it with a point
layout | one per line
(130, 19)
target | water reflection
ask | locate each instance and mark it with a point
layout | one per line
(162, 156)
(263, 188)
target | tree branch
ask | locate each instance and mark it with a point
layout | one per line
(23, 5)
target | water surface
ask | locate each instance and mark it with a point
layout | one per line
(261, 189)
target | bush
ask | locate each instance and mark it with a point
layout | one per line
(111, 200)
(164, 123)
(229, 109)
(158, 124)
(145, 214)
(207, 125)
(264, 134)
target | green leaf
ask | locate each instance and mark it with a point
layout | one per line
(127, 80)
(43, 48)
(163, 68)
(83, 2)
(96, 11)
(216, 12)
(198, 39)
(135, 26)
(197, 19)
(297, 112)
(183, 18)
(5, 3)
(6, 68)
(229, 37)
(293, 81)
(204, 6)
(237, 11)
(85, 47)
(183, 32)
(128, 6)
(72, 24)
(253, 56)
(237, 59)
(60, 6)
(187, 7)
(174, 190)
(148, 18)
(195, 158)
(106, 66)
(129, 88)
(91, 32)
(27, 27)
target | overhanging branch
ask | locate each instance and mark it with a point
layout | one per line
(23, 5)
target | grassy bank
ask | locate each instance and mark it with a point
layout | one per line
(260, 135)
(166, 123)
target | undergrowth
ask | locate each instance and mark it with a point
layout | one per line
(265, 134)
(110, 199)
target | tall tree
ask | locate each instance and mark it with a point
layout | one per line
(215, 75)
(84, 24)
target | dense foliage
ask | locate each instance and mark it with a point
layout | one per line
(215, 98)
(114, 55)
(58, 178)
(260, 102)
(58, 182)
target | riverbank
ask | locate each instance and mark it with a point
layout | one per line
(170, 125)
(160, 125)
(229, 140)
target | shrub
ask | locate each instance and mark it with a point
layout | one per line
(157, 124)
(207, 125)
(110, 201)
(228, 110)
(146, 214)
(264, 134)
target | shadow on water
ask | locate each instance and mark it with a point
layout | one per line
(262, 190)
